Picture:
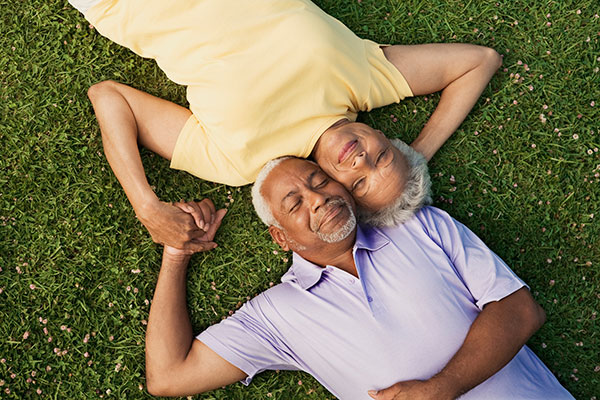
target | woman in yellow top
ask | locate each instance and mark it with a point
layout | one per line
(269, 78)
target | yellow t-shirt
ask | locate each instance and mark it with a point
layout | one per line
(265, 78)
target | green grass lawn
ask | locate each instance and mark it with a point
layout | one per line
(77, 269)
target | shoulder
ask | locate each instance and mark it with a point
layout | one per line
(271, 300)
(423, 219)
(427, 224)
(430, 212)
(432, 218)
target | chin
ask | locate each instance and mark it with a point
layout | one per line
(343, 232)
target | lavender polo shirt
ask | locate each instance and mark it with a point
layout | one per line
(421, 286)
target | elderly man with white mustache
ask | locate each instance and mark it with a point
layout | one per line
(421, 310)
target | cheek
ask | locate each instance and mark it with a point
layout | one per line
(343, 179)
(346, 188)
(299, 224)
(330, 148)
(367, 203)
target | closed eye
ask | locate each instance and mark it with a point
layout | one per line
(322, 183)
(295, 206)
(318, 179)
(358, 184)
(381, 155)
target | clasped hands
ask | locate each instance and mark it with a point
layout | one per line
(184, 227)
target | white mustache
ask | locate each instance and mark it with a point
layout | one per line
(324, 210)
(344, 231)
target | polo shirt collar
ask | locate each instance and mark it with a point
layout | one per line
(369, 238)
(307, 274)
(303, 272)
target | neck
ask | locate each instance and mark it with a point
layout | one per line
(345, 262)
(336, 254)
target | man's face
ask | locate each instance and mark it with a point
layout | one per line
(361, 158)
(313, 210)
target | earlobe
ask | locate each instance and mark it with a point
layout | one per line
(279, 237)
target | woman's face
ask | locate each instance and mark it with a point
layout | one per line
(362, 159)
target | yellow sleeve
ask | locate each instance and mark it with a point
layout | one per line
(388, 85)
(195, 153)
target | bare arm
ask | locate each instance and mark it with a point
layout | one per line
(495, 337)
(127, 117)
(460, 71)
(176, 363)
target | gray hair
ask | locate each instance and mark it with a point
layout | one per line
(416, 193)
(258, 200)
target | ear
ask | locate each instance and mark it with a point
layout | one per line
(279, 237)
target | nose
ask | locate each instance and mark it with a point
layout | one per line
(359, 160)
(316, 199)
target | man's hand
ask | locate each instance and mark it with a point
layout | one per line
(181, 225)
(412, 390)
(207, 219)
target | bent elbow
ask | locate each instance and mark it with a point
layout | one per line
(158, 387)
(534, 317)
(153, 385)
(491, 59)
(541, 316)
(153, 388)
(166, 384)
(100, 89)
(156, 383)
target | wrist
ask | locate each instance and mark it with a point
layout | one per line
(446, 387)
(176, 257)
(147, 208)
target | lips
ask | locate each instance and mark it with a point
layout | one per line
(346, 150)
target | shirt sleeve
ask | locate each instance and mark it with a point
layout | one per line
(486, 276)
(387, 84)
(246, 341)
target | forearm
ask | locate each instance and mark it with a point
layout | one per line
(456, 101)
(169, 335)
(120, 140)
(495, 337)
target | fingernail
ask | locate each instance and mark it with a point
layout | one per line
(372, 393)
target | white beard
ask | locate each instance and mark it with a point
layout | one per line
(344, 231)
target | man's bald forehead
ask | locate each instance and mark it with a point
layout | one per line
(284, 179)
(290, 166)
